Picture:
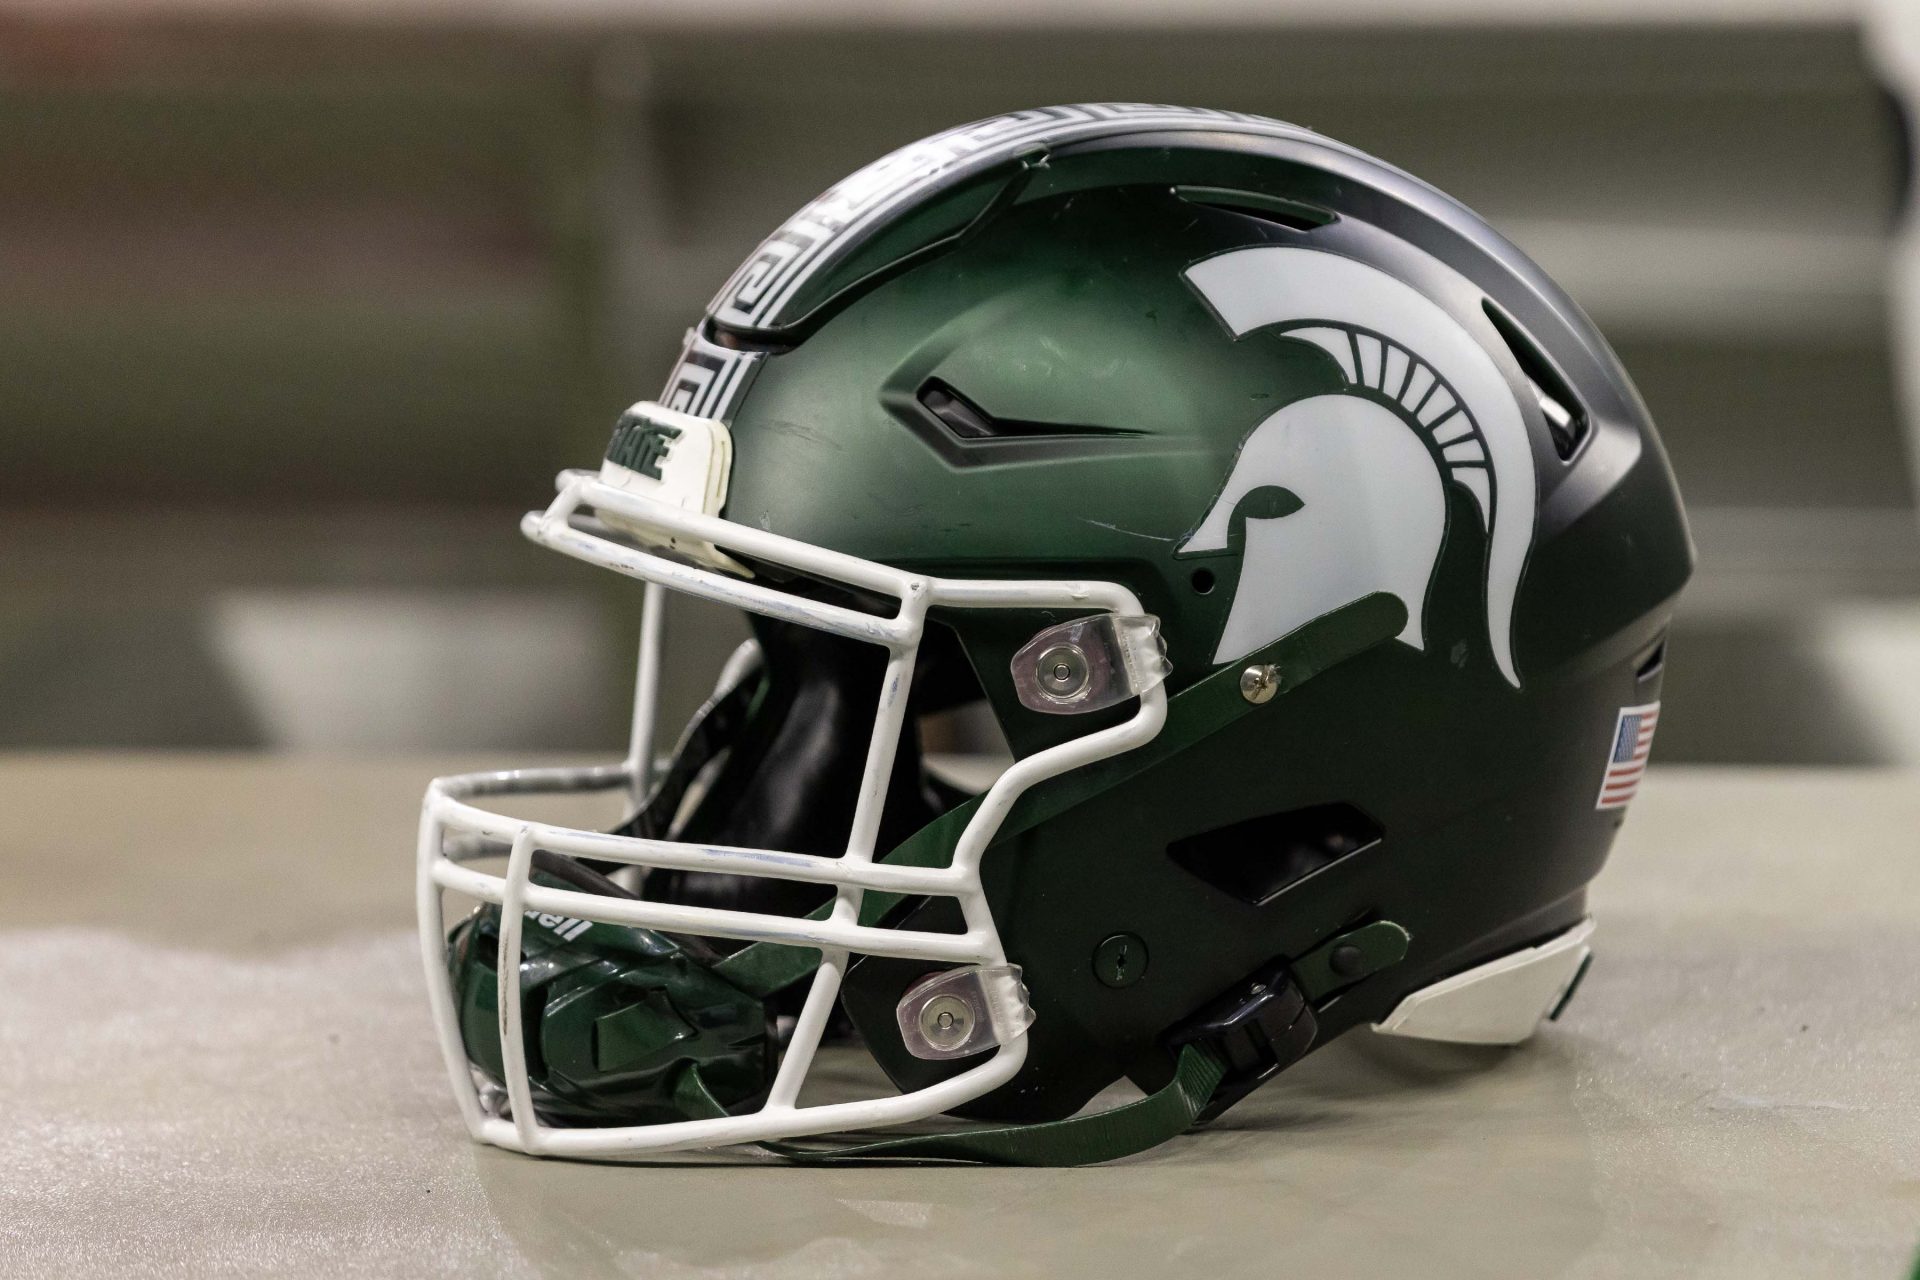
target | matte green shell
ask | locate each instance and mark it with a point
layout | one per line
(1062, 308)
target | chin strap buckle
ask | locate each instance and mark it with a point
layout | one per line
(1258, 1027)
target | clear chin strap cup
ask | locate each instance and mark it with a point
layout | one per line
(1090, 663)
(963, 1011)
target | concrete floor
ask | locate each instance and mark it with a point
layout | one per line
(215, 1061)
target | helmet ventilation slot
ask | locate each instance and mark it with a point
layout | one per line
(736, 339)
(956, 413)
(1260, 858)
(1281, 212)
(966, 421)
(1566, 417)
(1654, 663)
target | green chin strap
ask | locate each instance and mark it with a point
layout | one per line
(627, 1025)
(1091, 1139)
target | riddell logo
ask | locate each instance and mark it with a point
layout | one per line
(566, 928)
(641, 444)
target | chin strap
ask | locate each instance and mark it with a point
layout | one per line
(1229, 1048)
(1086, 1139)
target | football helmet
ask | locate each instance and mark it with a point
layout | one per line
(1310, 549)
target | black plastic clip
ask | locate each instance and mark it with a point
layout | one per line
(1258, 1027)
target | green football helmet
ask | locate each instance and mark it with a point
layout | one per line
(1310, 549)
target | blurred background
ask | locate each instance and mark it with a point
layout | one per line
(302, 302)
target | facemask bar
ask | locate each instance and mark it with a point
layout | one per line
(646, 694)
(448, 813)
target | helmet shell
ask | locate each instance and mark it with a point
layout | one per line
(1046, 283)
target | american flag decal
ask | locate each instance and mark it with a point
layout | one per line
(1627, 761)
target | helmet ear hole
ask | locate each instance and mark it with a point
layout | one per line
(1203, 581)
(1258, 859)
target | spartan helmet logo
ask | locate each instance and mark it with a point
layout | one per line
(1365, 467)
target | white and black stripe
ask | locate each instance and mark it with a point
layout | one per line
(708, 380)
(757, 294)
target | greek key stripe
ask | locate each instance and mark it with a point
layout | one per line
(708, 379)
(757, 294)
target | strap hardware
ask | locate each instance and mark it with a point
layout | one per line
(1258, 1027)
(1347, 958)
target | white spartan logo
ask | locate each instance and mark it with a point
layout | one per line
(1424, 404)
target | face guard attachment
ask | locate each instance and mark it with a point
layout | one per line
(579, 1019)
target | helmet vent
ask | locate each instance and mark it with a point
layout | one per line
(1566, 418)
(1655, 661)
(956, 413)
(1278, 210)
(966, 421)
(735, 339)
(1259, 859)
